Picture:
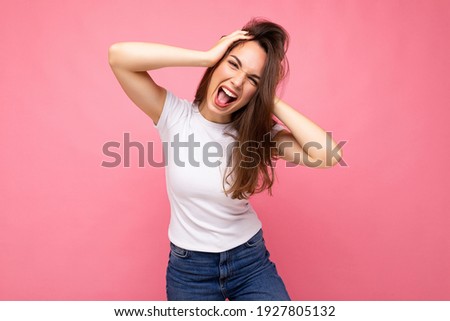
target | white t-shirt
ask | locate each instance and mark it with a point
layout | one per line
(203, 218)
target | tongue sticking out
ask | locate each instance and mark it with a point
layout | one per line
(224, 98)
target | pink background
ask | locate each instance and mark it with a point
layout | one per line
(375, 73)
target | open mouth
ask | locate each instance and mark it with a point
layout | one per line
(225, 97)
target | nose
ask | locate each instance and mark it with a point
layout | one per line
(238, 79)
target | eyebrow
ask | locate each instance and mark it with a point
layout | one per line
(240, 65)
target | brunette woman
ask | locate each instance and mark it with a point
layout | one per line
(230, 140)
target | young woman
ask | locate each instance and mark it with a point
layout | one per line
(222, 147)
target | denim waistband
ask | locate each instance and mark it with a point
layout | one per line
(254, 240)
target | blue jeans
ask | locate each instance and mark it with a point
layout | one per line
(243, 273)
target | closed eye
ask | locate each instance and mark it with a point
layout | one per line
(237, 64)
(253, 81)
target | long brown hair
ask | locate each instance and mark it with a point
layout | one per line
(251, 163)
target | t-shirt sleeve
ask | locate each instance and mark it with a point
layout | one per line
(276, 129)
(174, 110)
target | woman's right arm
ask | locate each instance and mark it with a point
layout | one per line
(130, 62)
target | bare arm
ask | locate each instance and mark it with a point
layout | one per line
(306, 143)
(130, 62)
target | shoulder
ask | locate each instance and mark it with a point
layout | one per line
(174, 110)
(276, 129)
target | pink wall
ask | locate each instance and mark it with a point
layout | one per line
(373, 72)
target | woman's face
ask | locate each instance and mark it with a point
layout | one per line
(234, 82)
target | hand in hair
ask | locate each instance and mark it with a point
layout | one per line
(218, 50)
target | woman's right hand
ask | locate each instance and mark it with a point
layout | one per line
(130, 62)
(216, 53)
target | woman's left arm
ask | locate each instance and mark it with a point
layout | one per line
(305, 143)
